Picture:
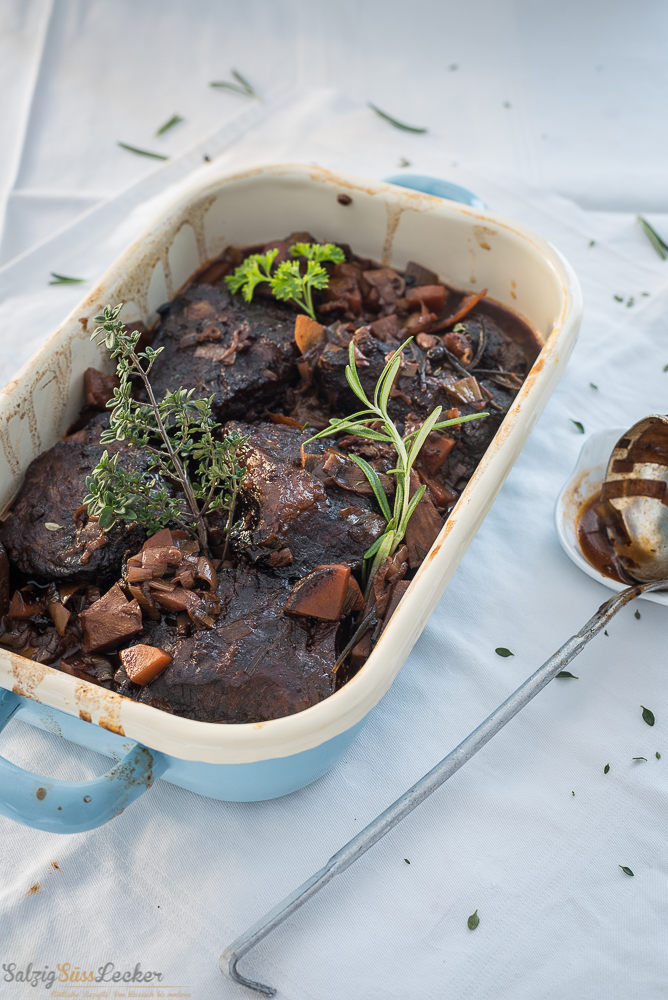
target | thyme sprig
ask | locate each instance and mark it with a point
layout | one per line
(364, 424)
(178, 434)
(287, 283)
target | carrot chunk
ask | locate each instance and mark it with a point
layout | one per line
(143, 663)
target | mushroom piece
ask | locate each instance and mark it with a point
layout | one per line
(321, 593)
(109, 621)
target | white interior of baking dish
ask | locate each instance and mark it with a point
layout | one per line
(469, 249)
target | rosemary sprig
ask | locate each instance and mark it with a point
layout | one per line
(407, 449)
(63, 279)
(178, 436)
(393, 121)
(242, 86)
(287, 282)
(174, 120)
(142, 152)
(654, 238)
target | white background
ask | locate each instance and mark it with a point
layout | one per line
(582, 147)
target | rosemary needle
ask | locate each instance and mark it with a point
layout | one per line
(654, 238)
(142, 152)
(174, 120)
(242, 86)
(63, 279)
(393, 121)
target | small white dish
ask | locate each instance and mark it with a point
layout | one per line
(584, 482)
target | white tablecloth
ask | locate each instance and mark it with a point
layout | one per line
(175, 878)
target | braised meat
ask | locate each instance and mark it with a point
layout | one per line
(48, 535)
(244, 355)
(256, 663)
(251, 617)
(293, 520)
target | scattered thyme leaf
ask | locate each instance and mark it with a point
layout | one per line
(52, 526)
(407, 861)
(403, 162)
(638, 758)
(593, 386)
(572, 793)
(592, 243)
(579, 426)
(605, 632)
(174, 120)
(63, 279)
(630, 302)
(502, 651)
(657, 755)
(627, 871)
(654, 238)
(473, 921)
(645, 294)
(648, 716)
(636, 614)
(618, 298)
(606, 769)
(567, 673)
(142, 152)
(393, 121)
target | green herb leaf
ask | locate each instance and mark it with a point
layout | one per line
(572, 793)
(578, 425)
(654, 238)
(174, 120)
(593, 386)
(638, 758)
(242, 86)
(502, 651)
(606, 769)
(51, 526)
(403, 162)
(592, 243)
(473, 921)
(636, 614)
(618, 298)
(648, 716)
(407, 861)
(627, 871)
(567, 673)
(62, 279)
(376, 484)
(657, 755)
(605, 632)
(142, 152)
(393, 121)
(630, 302)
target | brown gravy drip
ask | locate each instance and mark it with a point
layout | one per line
(594, 542)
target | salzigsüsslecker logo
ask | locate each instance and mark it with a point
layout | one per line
(68, 972)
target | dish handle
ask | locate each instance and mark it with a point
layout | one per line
(73, 806)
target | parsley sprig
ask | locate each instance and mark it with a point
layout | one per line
(287, 282)
(364, 424)
(177, 434)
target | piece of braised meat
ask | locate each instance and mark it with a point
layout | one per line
(51, 494)
(242, 354)
(256, 663)
(293, 520)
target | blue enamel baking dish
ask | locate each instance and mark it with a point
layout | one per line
(469, 248)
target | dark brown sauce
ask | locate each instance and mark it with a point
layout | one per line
(594, 542)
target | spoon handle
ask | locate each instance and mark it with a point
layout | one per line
(423, 788)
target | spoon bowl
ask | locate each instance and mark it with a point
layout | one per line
(585, 482)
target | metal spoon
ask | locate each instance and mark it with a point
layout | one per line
(650, 529)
